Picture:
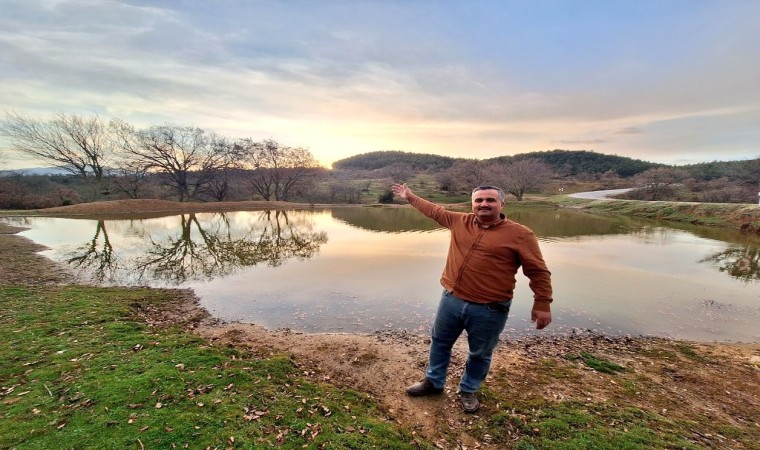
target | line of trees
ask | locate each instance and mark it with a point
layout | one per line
(191, 162)
(515, 177)
(109, 159)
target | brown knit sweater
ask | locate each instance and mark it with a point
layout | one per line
(482, 262)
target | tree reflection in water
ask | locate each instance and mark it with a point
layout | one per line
(739, 262)
(203, 251)
(100, 260)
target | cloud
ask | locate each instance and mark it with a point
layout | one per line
(629, 130)
(583, 142)
(343, 77)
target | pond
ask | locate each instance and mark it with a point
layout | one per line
(364, 269)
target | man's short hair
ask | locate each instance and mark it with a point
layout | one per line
(502, 196)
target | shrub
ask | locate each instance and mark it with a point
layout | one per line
(386, 197)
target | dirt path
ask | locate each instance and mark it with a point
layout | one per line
(725, 386)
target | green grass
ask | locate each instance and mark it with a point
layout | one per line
(708, 214)
(575, 425)
(599, 364)
(690, 353)
(80, 371)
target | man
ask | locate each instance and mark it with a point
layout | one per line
(485, 251)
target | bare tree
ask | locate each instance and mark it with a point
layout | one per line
(660, 180)
(277, 170)
(521, 176)
(446, 181)
(79, 145)
(189, 158)
(130, 181)
(131, 175)
(344, 191)
(463, 176)
(398, 172)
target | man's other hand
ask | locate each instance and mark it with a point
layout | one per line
(541, 318)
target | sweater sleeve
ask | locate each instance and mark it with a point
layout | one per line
(534, 267)
(444, 217)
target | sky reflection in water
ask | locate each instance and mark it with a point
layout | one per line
(368, 269)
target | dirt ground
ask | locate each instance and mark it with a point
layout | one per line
(721, 381)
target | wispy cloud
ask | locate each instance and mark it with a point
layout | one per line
(666, 82)
(630, 130)
(583, 142)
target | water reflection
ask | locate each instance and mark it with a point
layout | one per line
(192, 247)
(739, 262)
(389, 220)
(97, 256)
(381, 266)
(204, 250)
(562, 223)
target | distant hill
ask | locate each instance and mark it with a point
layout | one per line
(749, 169)
(381, 159)
(573, 162)
(563, 162)
(34, 171)
(568, 162)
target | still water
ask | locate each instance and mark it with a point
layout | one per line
(367, 269)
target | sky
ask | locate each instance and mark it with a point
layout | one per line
(669, 81)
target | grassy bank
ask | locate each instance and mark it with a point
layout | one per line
(88, 367)
(727, 215)
(82, 370)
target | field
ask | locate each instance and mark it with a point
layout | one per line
(90, 367)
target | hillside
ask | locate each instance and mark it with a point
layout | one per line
(381, 159)
(573, 162)
(563, 162)
(566, 162)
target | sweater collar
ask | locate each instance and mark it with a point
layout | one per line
(502, 218)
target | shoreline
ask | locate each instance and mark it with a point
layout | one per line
(669, 378)
(744, 218)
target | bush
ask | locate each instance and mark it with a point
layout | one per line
(34, 193)
(29, 201)
(386, 197)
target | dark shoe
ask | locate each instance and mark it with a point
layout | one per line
(423, 388)
(469, 401)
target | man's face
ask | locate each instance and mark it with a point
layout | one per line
(486, 205)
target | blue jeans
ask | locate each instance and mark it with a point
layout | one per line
(483, 323)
